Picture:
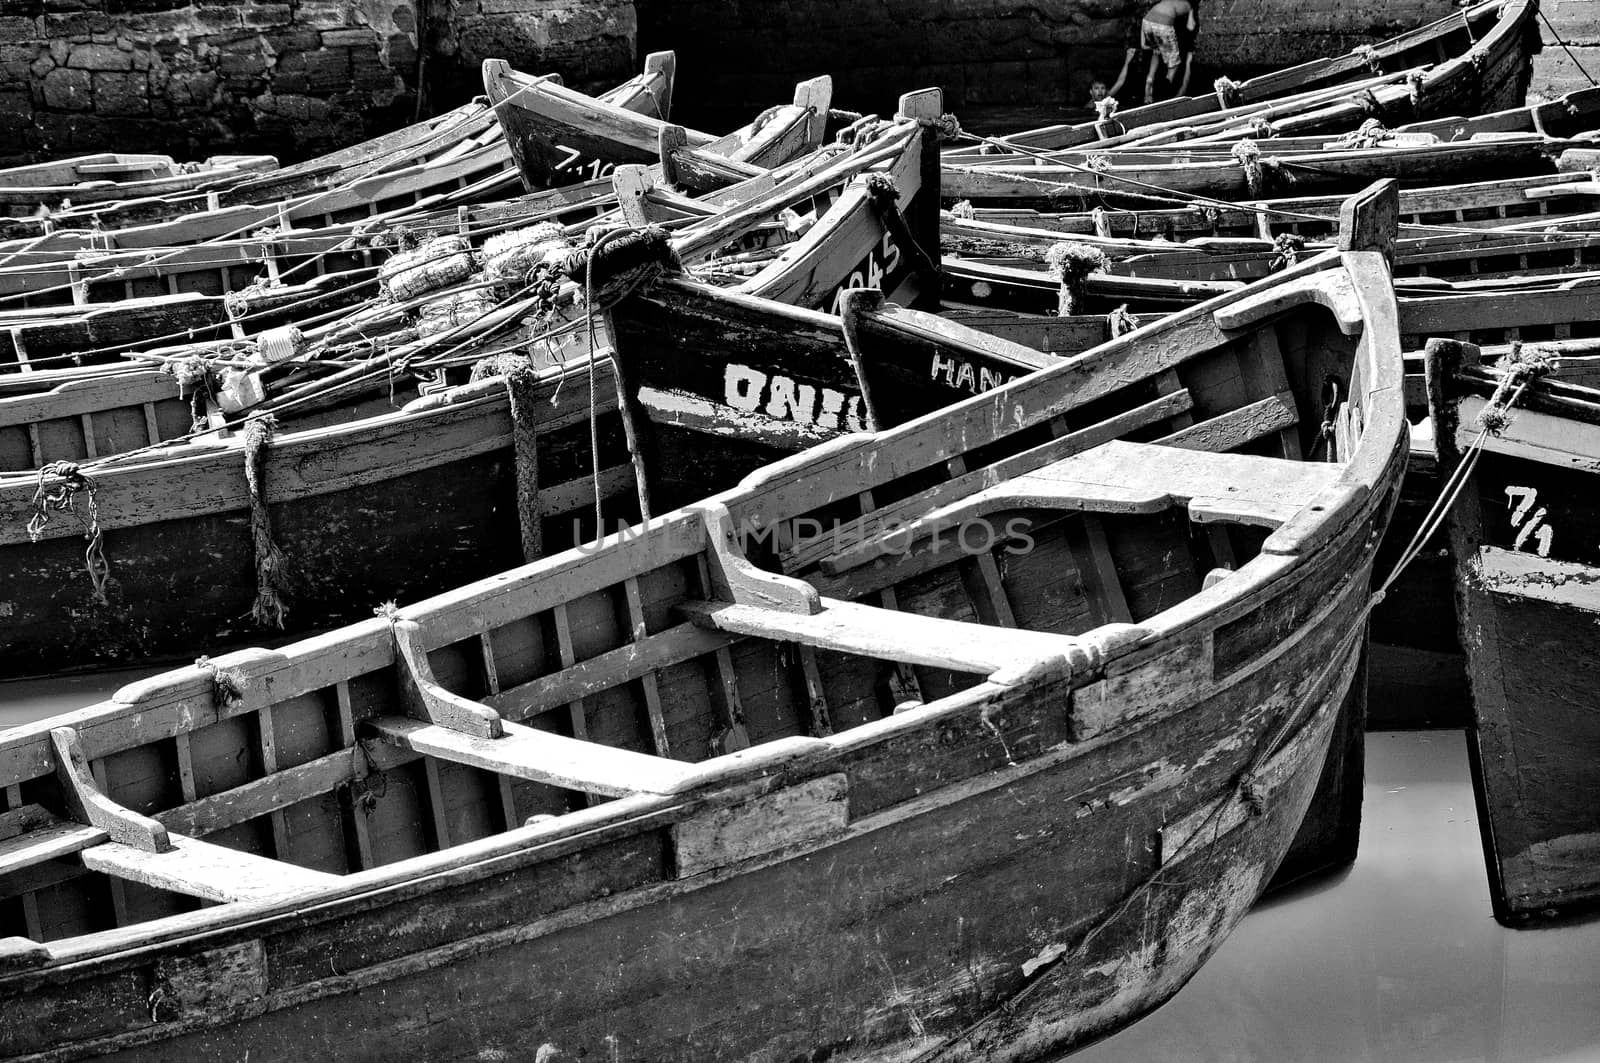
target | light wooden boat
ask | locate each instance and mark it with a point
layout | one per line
(1523, 543)
(1252, 170)
(558, 136)
(432, 490)
(1542, 200)
(1468, 62)
(90, 178)
(458, 157)
(1085, 807)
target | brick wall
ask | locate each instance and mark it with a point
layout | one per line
(291, 78)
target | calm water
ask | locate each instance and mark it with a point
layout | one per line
(1397, 960)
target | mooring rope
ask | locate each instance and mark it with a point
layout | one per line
(269, 608)
(63, 499)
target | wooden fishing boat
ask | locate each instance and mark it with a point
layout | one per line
(24, 189)
(1250, 170)
(1481, 60)
(1557, 200)
(354, 806)
(460, 156)
(431, 490)
(1515, 430)
(558, 136)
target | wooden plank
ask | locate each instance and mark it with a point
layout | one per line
(87, 802)
(1232, 430)
(491, 683)
(269, 765)
(638, 632)
(540, 756)
(846, 627)
(803, 814)
(1264, 370)
(568, 658)
(1166, 407)
(34, 835)
(1101, 571)
(200, 869)
(355, 816)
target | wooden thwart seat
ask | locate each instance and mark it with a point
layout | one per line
(1124, 477)
(200, 869)
(32, 834)
(906, 638)
(539, 756)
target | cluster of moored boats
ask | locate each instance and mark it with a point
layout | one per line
(865, 591)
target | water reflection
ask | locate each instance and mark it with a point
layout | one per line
(22, 700)
(1399, 960)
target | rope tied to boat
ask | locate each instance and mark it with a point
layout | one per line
(521, 382)
(268, 609)
(1414, 83)
(615, 262)
(884, 195)
(1370, 104)
(1286, 251)
(1327, 432)
(1369, 55)
(1121, 321)
(1098, 163)
(764, 117)
(1248, 155)
(1250, 794)
(1368, 135)
(948, 127)
(198, 380)
(965, 210)
(1105, 108)
(1072, 262)
(1261, 127)
(1227, 91)
(62, 497)
(1517, 368)
(227, 684)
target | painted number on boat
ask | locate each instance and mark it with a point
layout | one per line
(881, 263)
(572, 160)
(786, 399)
(1528, 522)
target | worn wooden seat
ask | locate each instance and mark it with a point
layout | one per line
(906, 638)
(1124, 477)
(200, 869)
(32, 834)
(540, 756)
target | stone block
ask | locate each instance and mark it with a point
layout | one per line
(17, 28)
(241, 65)
(99, 57)
(121, 94)
(42, 65)
(266, 16)
(191, 88)
(354, 37)
(16, 101)
(328, 70)
(67, 90)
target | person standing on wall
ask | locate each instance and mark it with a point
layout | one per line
(1158, 33)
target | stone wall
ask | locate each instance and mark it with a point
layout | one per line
(295, 77)
(1577, 22)
(289, 78)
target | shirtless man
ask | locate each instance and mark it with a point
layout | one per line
(1159, 34)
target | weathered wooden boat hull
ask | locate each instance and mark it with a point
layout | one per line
(1080, 185)
(834, 934)
(1524, 543)
(1484, 63)
(841, 829)
(189, 510)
